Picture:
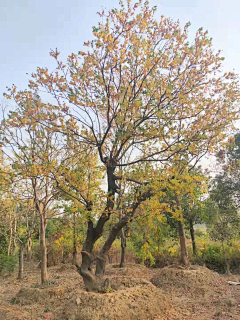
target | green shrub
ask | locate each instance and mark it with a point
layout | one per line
(218, 256)
(7, 263)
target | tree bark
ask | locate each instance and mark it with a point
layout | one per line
(101, 258)
(43, 250)
(93, 234)
(10, 240)
(29, 249)
(74, 240)
(226, 262)
(85, 270)
(94, 282)
(194, 247)
(100, 266)
(182, 238)
(14, 238)
(123, 248)
(20, 270)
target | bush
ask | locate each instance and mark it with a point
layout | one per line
(218, 256)
(7, 263)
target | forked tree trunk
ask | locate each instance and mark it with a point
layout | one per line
(193, 237)
(43, 250)
(20, 270)
(123, 248)
(95, 282)
(91, 281)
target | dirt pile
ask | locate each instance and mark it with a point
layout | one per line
(197, 293)
(143, 301)
(131, 270)
(67, 268)
(28, 296)
(127, 297)
(193, 280)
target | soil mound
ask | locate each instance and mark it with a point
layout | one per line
(197, 293)
(28, 296)
(192, 280)
(66, 268)
(131, 270)
(143, 301)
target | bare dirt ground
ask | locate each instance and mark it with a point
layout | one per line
(171, 293)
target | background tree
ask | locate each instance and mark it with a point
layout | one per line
(223, 220)
(33, 151)
(193, 205)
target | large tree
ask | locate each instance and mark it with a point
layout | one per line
(140, 92)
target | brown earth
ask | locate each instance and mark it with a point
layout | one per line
(135, 292)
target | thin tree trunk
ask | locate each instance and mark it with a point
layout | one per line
(20, 270)
(182, 238)
(226, 262)
(123, 248)
(43, 250)
(74, 240)
(29, 249)
(14, 238)
(10, 239)
(194, 247)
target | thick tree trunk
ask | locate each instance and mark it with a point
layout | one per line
(85, 269)
(123, 248)
(43, 250)
(101, 258)
(20, 270)
(91, 281)
(94, 282)
(193, 237)
(183, 247)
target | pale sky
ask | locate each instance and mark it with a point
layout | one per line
(29, 28)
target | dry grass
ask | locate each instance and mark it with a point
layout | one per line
(174, 294)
